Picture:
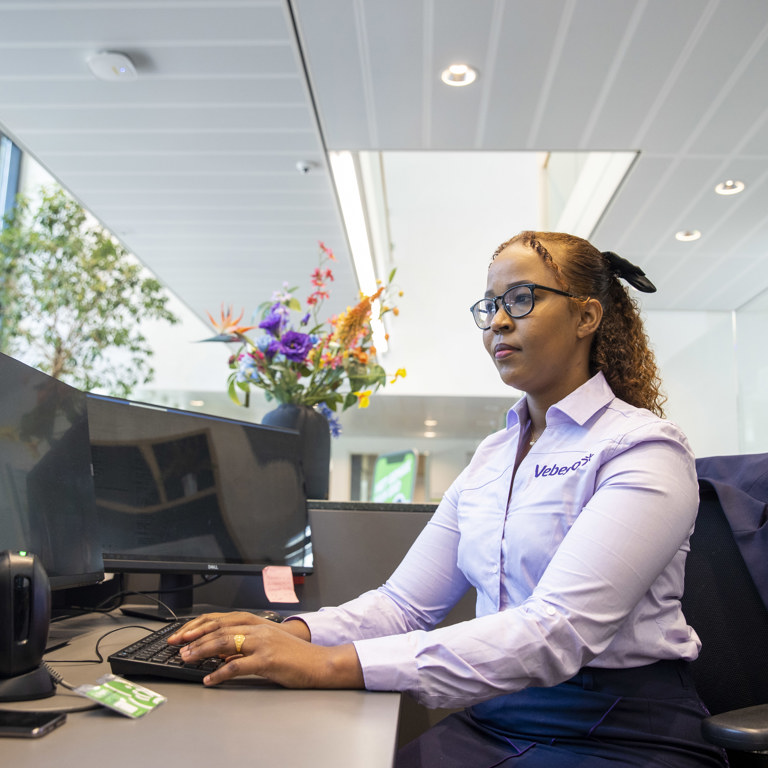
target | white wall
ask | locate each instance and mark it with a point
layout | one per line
(697, 358)
(434, 253)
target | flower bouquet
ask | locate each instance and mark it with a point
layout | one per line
(299, 358)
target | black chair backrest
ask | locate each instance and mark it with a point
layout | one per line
(721, 603)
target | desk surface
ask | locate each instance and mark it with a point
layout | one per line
(239, 723)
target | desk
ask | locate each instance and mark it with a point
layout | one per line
(235, 725)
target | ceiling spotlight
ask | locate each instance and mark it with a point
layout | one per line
(112, 66)
(729, 187)
(687, 235)
(430, 422)
(429, 434)
(459, 74)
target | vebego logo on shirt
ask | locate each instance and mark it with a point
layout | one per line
(548, 470)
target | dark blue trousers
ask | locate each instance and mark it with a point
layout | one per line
(645, 716)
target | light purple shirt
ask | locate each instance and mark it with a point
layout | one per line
(583, 565)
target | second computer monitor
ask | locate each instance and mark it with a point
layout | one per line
(183, 493)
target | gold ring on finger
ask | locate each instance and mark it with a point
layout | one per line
(239, 640)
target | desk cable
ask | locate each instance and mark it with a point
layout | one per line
(99, 656)
(58, 678)
(115, 600)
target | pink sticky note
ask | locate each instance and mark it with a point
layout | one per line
(278, 584)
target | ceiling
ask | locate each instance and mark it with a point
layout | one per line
(194, 164)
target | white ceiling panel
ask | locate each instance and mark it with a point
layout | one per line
(516, 72)
(580, 66)
(118, 22)
(283, 91)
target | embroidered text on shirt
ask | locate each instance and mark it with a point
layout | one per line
(549, 471)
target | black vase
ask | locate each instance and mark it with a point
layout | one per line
(315, 440)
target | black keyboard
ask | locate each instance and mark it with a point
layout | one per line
(151, 655)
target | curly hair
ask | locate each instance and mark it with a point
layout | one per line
(620, 346)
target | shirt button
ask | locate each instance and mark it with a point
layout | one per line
(551, 611)
(495, 569)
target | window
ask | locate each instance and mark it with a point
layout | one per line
(10, 160)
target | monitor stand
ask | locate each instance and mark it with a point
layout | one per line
(176, 591)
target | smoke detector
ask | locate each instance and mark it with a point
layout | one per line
(112, 66)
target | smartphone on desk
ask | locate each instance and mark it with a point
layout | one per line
(29, 725)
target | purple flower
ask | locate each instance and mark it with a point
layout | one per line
(295, 346)
(272, 348)
(274, 321)
(268, 346)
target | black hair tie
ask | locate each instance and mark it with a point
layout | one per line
(629, 272)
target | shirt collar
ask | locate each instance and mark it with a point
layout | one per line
(578, 407)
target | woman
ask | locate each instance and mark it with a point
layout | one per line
(573, 525)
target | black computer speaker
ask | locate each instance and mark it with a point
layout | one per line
(25, 612)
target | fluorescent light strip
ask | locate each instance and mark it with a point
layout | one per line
(596, 185)
(353, 213)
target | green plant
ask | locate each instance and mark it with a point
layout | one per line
(70, 296)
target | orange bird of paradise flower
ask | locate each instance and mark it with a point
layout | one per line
(229, 326)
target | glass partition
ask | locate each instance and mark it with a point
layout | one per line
(751, 323)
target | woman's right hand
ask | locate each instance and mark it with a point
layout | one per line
(211, 622)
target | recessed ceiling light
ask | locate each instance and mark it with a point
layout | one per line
(729, 187)
(112, 65)
(687, 235)
(430, 422)
(429, 434)
(459, 74)
(197, 403)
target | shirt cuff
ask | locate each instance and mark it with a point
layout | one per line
(324, 627)
(389, 663)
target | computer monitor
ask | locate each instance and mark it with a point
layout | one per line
(47, 504)
(181, 493)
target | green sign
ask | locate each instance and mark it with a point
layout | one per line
(394, 477)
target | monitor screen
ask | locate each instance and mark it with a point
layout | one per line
(185, 493)
(47, 502)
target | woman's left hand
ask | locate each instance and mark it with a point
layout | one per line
(269, 651)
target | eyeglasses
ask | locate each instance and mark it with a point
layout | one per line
(518, 302)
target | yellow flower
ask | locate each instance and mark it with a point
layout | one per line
(399, 374)
(363, 398)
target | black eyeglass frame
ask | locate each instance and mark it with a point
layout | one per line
(496, 299)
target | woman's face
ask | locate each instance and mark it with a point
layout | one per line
(545, 353)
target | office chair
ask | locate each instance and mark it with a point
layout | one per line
(721, 603)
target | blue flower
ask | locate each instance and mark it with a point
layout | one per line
(333, 420)
(269, 346)
(246, 370)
